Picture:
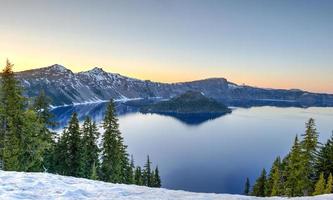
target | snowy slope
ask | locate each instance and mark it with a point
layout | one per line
(44, 186)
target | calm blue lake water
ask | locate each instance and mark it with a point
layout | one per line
(212, 155)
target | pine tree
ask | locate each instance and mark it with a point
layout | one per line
(247, 187)
(147, 173)
(152, 178)
(130, 172)
(320, 185)
(295, 172)
(329, 185)
(126, 170)
(138, 176)
(60, 154)
(41, 106)
(277, 187)
(260, 185)
(21, 143)
(90, 150)
(324, 160)
(309, 146)
(33, 145)
(114, 156)
(157, 178)
(12, 109)
(270, 180)
(284, 173)
(70, 143)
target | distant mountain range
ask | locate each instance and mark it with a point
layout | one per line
(96, 85)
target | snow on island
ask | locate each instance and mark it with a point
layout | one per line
(45, 186)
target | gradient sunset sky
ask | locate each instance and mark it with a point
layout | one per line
(265, 43)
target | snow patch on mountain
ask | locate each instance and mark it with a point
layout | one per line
(233, 86)
(45, 186)
(65, 87)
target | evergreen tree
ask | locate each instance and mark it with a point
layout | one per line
(295, 172)
(147, 173)
(114, 157)
(71, 152)
(138, 180)
(324, 160)
(309, 146)
(157, 178)
(33, 145)
(247, 187)
(329, 185)
(260, 185)
(277, 188)
(21, 143)
(130, 172)
(126, 170)
(320, 185)
(12, 111)
(41, 106)
(90, 150)
(272, 179)
(284, 173)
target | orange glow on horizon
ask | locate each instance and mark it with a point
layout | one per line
(172, 76)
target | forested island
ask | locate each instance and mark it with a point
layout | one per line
(191, 102)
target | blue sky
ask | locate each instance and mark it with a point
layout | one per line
(266, 43)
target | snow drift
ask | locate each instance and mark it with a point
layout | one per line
(45, 186)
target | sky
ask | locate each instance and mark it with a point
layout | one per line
(264, 43)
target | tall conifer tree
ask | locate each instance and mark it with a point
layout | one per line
(147, 173)
(138, 180)
(41, 106)
(114, 156)
(70, 148)
(260, 185)
(157, 178)
(324, 160)
(12, 107)
(309, 146)
(274, 180)
(295, 172)
(90, 150)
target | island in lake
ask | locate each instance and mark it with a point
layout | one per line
(191, 102)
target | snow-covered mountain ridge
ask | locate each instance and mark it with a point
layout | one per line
(96, 85)
(44, 186)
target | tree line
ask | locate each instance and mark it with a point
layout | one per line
(306, 170)
(27, 144)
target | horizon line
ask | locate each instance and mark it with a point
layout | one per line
(177, 82)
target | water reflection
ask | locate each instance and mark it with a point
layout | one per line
(96, 112)
(193, 119)
(215, 156)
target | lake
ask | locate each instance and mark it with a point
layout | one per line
(210, 154)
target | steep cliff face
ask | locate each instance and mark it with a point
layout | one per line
(66, 87)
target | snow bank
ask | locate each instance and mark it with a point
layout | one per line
(44, 186)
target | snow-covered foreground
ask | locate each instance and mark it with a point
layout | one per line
(44, 186)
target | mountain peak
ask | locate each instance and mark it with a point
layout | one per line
(58, 67)
(97, 70)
